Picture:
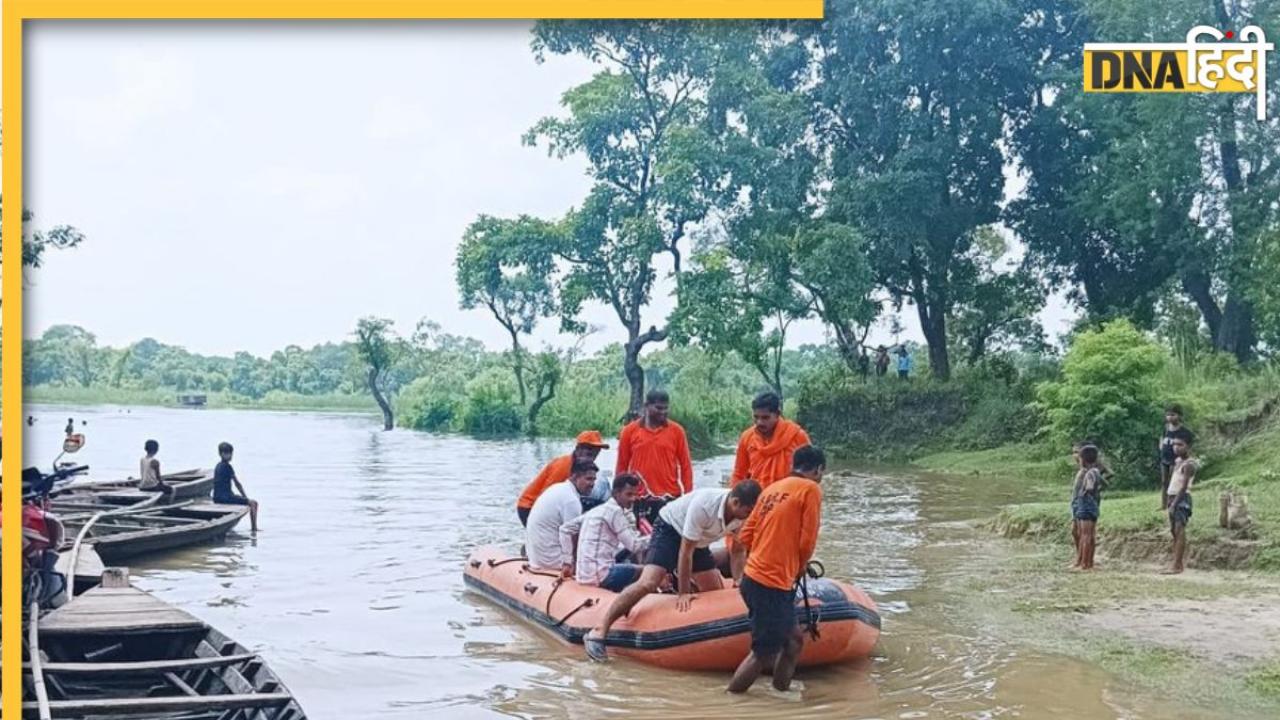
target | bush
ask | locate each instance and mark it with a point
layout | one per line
(431, 403)
(1109, 392)
(492, 407)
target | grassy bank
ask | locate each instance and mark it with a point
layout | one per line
(274, 400)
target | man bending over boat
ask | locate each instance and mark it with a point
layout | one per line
(561, 503)
(224, 476)
(589, 446)
(656, 448)
(680, 544)
(780, 537)
(604, 533)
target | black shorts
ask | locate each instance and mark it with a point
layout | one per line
(772, 613)
(524, 516)
(1085, 508)
(664, 550)
(648, 508)
(231, 500)
(1179, 514)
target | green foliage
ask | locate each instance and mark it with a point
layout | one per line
(491, 407)
(1109, 392)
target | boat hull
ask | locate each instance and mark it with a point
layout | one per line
(714, 634)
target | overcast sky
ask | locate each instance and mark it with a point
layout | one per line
(246, 186)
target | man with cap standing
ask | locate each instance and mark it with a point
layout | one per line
(590, 443)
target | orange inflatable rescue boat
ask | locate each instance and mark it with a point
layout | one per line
(712, 635)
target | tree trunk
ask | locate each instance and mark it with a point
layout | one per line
(635, 377)
(1236, 334)
(517, 362)
(1198, 287)
(933, 322)
(388, 420)
(536, 407)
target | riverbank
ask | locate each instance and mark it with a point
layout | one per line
(163, 398)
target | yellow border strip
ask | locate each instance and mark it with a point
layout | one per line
(15, 12)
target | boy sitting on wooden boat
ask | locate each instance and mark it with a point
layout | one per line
(680, 543)
(560, 503)
(149, 467)
(224, 476)
(597, 538)
(780, 537)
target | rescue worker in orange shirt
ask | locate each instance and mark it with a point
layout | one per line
(765, 448)
(780, 536)
(655, 447)
(590, 443)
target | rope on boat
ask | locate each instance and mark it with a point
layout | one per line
(811, 620)
(589, 602)
(495, 563)
(37, 669)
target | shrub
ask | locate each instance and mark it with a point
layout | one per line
(491, 407)
(1109, 391)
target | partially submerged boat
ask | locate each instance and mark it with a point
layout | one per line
(118, 652)
(119, 533)
(713, 634)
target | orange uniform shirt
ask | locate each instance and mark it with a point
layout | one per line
(767, 461)
(555, 471)
(661, 457)
(782, 532)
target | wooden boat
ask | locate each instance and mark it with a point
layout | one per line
(714, 634)
(118, 652)
(88, 572)
(187, 485)
(124, 532)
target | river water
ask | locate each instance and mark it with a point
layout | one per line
(353, 589)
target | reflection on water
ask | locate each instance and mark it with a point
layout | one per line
(353, 590)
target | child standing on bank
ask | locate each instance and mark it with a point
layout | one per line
(1085, 498)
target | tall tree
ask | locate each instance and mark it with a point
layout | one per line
(638, 122)
(503, 265)
(915, 97)
(378, 349)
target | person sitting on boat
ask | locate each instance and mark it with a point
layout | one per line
(561, 503)
(599, 536)
(149, 469)
(680, 544)
(780, 537)
(656, 448)
(590, 443)
(224, 476)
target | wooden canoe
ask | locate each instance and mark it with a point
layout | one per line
(118, 652)
(129, 534)
(187, 485)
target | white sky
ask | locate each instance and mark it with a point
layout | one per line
(245, 186)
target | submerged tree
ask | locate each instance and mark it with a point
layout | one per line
(504, 265)
(378, 348)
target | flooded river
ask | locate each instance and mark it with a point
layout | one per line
(353, 590)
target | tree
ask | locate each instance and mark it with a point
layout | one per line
(914, 100)
(654, 170)
(504, 266)
(1001, 306)
(378, 348)
(548, 371)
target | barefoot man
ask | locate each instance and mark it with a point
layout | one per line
(1180, 481)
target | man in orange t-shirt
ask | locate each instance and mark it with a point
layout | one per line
(655, 448)
(780, 536)
(765, 448)
(589, 446)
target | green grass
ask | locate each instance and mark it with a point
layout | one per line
(1265, 680)
(274, 400)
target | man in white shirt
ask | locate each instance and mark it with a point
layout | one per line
(560, 503)
(601, 534)
(680, 543)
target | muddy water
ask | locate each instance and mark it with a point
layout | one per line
(353, 590)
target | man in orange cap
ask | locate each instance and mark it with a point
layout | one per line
(765, 448)
(590, 443)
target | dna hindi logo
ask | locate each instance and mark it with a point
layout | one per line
(1237, 66)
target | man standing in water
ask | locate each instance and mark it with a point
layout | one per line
(1179, 492)
(224, 476)
(655, 448)
(1173, 429)
(588, 448)
(561, 503)
(780, 537)
(680, 544)
(765, 448)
